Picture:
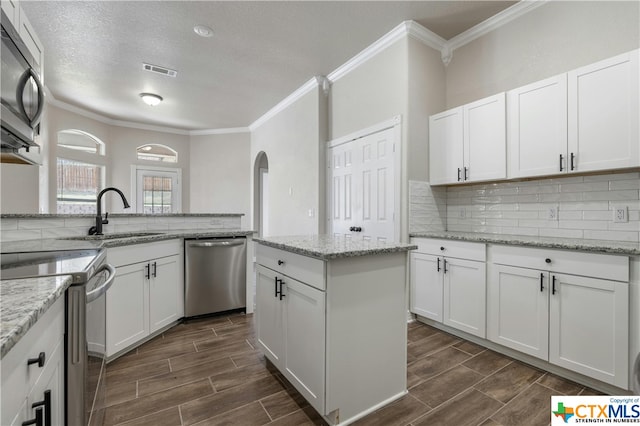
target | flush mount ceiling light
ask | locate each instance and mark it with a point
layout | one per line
(151, 99)
(203, 31)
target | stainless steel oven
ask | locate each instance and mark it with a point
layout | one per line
(22, 97)
(85, 330)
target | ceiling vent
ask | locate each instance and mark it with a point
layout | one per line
(160, 70)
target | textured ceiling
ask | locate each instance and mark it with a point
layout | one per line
(260, 53)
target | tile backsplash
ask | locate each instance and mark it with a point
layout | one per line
(33, 228)
(572, 207)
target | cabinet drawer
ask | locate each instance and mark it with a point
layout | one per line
(136, 253)
(595, 265)
(451, 248)
(302, 268)
(44, 336)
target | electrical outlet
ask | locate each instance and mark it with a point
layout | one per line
(463, 213)
(620, 214)
(552, 213)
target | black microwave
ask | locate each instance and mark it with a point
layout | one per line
(22, 96)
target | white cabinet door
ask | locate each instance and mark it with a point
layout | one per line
(465, 295)
(485, 143)
(270, 316)
(426, 286)
(305, 340)
(127, 307)
(603, 114)
(518, 309)
(50, 383)
(164, 292)
(589, 327)
(12, 9)
(446, 143)
(537, 126)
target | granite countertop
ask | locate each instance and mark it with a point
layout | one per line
(75, 215)
(599, 246)
(327, 247)
(115, 240)
(24, 301)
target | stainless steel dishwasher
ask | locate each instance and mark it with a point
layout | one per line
(215, 275)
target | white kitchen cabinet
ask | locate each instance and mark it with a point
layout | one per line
(21, 23)
(468, 143)
(25, 383)
(147, 294)
(603, 114)
(335, 328)
(448, 283)
(537, 128)
(12, 9)
(568, 308)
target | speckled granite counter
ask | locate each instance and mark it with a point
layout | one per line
(601, 246)
(327, 247)
(124, 239)
(23, 302)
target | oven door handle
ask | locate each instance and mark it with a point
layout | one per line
(94, 294)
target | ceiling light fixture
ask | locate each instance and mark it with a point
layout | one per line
(203, 31)
(151, 99)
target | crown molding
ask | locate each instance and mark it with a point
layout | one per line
(280, 106)
(496, 21)
(131, 125)
(425, 35)
(224, 131)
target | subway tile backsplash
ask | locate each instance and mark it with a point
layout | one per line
(571, 207)
(34, 228)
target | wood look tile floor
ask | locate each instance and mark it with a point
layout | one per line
(209, 372)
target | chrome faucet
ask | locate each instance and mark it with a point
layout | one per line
(97, 230)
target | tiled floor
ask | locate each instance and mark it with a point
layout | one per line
(208, 372)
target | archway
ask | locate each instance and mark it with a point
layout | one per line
(260, 194)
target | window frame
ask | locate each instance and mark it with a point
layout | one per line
(137, 202)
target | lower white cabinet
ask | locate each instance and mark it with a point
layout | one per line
(559, 315)
(30, 387)
(449, 289)
(335, 328)
(147, 294)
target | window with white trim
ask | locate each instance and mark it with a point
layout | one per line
(157, 152)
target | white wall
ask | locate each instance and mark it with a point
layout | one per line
(292, 142)
(219, 174)
(552, 39)
(19, 188)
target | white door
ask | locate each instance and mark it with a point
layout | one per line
(589, 327)
(603, 114)
(269, 314)
(446, 143)
(305, 340)
(518, 309)
(164, 288)
(465, 295)
(363, 184)
(342, 189)
(485, 143)
(537, 128)
(158, 190)
(426, 286)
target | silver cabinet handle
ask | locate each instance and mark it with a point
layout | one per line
(217, 244)
(94, 294)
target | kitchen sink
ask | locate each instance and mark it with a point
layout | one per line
(114, 236)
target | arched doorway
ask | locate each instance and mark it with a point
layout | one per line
(260, 194)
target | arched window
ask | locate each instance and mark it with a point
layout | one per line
(157, 152)
(80, 171)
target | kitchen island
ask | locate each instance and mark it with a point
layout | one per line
(332, 317)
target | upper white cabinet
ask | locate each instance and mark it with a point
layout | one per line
(537, 128)
(19, 19)
(603, 114)
(585, 120)
(468, 143)
(12, 9)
